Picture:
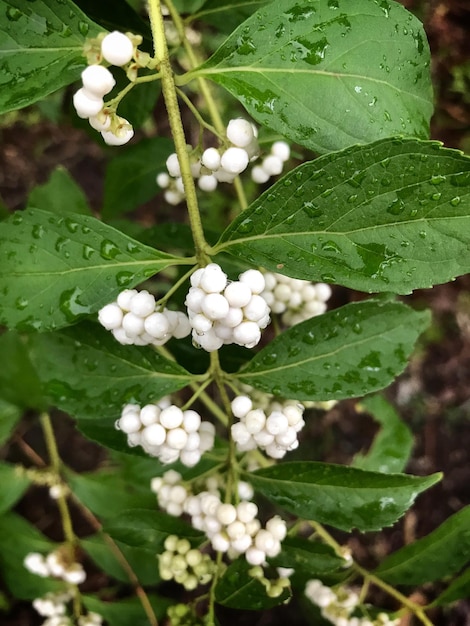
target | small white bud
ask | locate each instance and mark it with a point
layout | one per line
(97, 80)
(234, 160)
(117, 48)
(86, 103)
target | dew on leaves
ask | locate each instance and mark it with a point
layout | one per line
(21, 303)
(38, 231)
(123, 279)
(60, 243)
(71, 226)
(83, 27)
(13, 14)
(17, 218)
(71, 306)
(246, 226)
(455, 201)
(331, 246)
(108, 250)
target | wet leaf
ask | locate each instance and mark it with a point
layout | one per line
(59, 269)
(236, 589)
(60, 195)
(329, 73)
(115, 15)
(87, 373)
(343, 497)
(392, 446)
(349, 352)
(441, 553)
(130, 176)
(390, 216)
(226, 15)
(41, 49)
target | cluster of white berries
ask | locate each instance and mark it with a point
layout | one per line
(187, 566)
(214, 165)
(272, 164)
(337, 606)
(116, 49)
(55, 565)
(273, 428)
(54, 605)
(134, 320)
(232, 529)
(222, 311)
(297, 300)
(166, 432)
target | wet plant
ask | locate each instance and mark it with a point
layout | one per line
(197, 358)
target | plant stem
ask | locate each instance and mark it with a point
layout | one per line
(176, 125)
(66, 520)
(370, 578)
(206, 93)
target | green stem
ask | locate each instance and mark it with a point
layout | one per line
(370, 578)
(197, 115)
(113, 104)
(66, 520)
(206, 93)
(176, 125)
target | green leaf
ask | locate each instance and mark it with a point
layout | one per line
(238, 590)
(226, 15)
(441, 553)
(130, 176)
(87, 373)
(19, 382)
(128, 611)
(106, 494)
(60, 195)
(148, 529)
(343, 497)
(17, 538)
(329, 74)
(139, 104)
(348, 352)
(10, 415)
(142, 562)
(390, 216)
(458, 589)
(115, 15)
(392, 445)
(56, 269)
(41, 49)
(14, 483)
(311, 558)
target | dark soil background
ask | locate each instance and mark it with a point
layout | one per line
(433, 395)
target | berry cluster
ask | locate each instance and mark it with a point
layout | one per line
(232, 529)
(134, 320)
(274, 588)
(214, 165)
(54, 605)
(297, 300)
(185, 615)
(273, 428)
(272, 164)
(222, 312)
(116, 49)
(337, 606)
(187, 566)
(166, 432)
(55, 565)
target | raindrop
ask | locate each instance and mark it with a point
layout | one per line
(330, 246)
(246, 226)
(455, 201)
(83, 27)
(38, 231)
(71, 226)
(124, 278)
(21, 303)
(436, 196)
(13, 14)
(88, 251)
(437, 179)
(423, 234)
(108, 249)
(60, 243)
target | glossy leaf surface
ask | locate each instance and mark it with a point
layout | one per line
(236, 589)
(343, 497)
(58, 269)
(349, 352)
(87, 373)
(226, 15)
(389, 216)
(329, 74)
(130, 176)
(442, 553)
(392, 446)
(41, 49)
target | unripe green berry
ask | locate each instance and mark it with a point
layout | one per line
(193, 558)
(183, 546)
(274, 591)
